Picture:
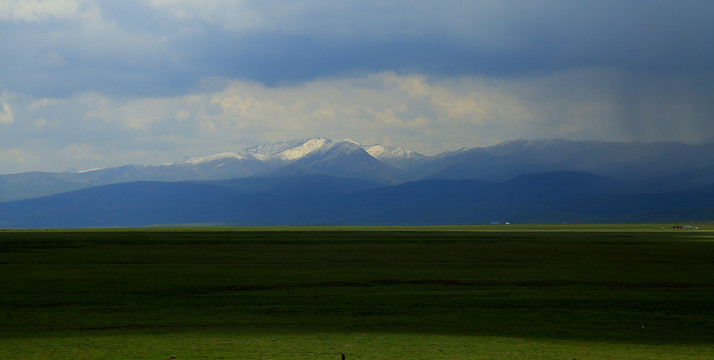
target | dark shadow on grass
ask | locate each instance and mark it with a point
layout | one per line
(652, 288)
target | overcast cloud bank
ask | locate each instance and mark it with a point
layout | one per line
(88, 84)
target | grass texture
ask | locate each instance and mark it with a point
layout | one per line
(480, 292)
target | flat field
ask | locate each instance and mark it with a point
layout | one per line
(463, 292)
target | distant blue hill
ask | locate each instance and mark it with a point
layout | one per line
(649, 167)
(564, 196)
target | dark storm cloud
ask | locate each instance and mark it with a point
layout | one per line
(133, 48)
(87, 83)
(479, 37)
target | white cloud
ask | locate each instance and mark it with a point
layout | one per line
(14, 160)
(234, 15)
(85, 51)
(6, 116)
(38, 10)
(6, 113)
(425, 114)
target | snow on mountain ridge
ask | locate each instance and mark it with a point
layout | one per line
(215, 157)
(287, 152)
(293, 150)
(383, 152)
(302, 150)
(270, 150)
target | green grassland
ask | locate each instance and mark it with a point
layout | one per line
(468, 292)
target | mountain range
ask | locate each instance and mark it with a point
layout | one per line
(320, 181)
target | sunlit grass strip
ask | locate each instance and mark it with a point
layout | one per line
(207, 344)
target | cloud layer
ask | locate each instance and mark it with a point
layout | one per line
(88, 84)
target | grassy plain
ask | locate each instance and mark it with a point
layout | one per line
(479, 292)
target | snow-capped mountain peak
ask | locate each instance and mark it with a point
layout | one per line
(394, 156)
(274, 150)
(383, 152)
(659, 164)
(221, 156)
(293, 150)
(300, 151)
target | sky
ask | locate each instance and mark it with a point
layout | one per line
(87, 84)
